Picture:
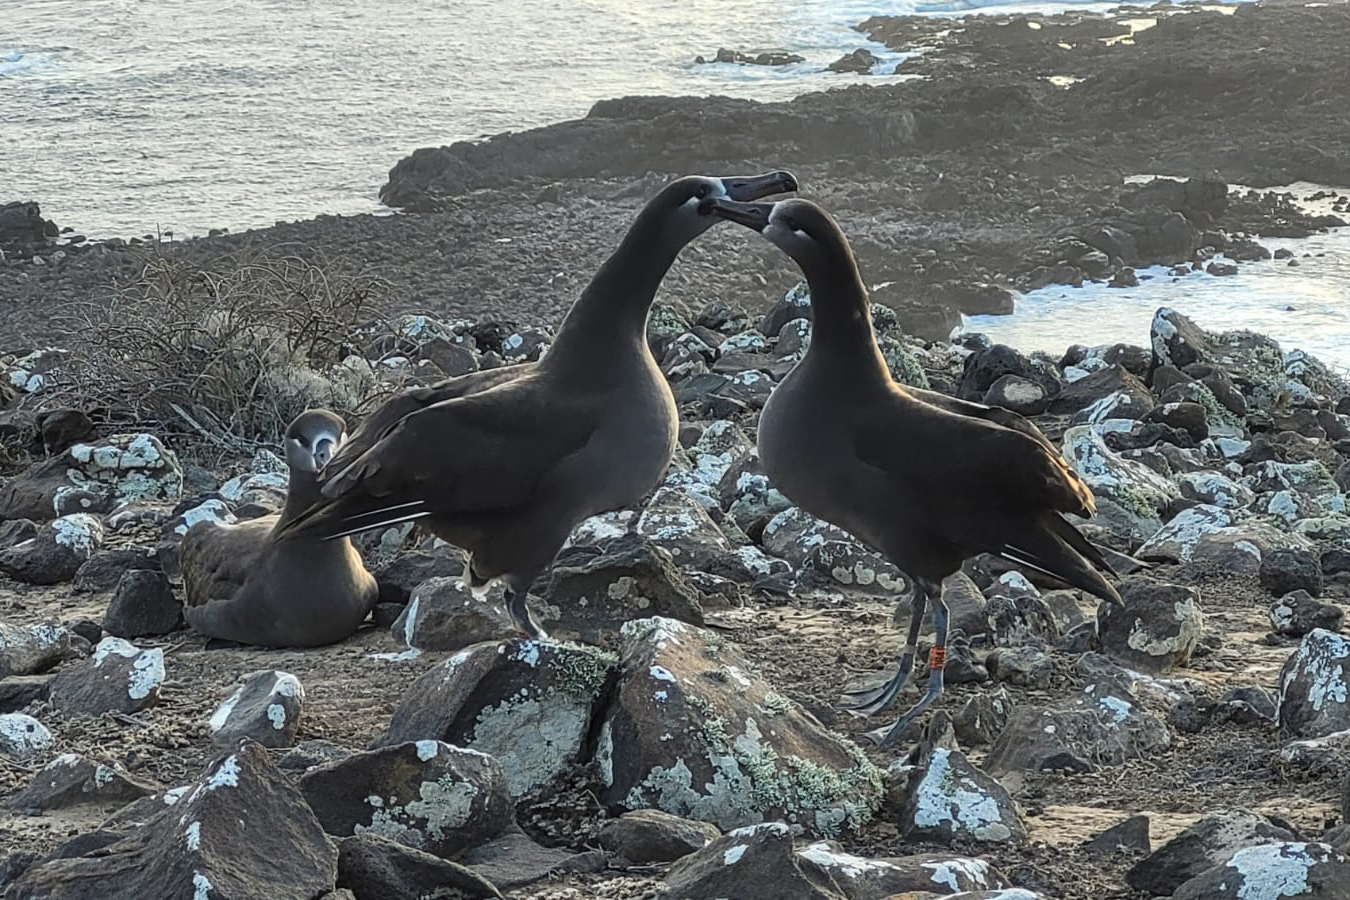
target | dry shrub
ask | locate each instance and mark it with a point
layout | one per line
(223, 355)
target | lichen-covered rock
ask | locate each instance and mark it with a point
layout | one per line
(30, 649)
(119, 677)
(74, 780)
(1025, 666)
(1289, 570)
(1210, 842)
(813, 544)
(949, 799)
(863, 878)
(22, 737)
(1215, 489)
(1102, 725)
(1241, 549)
(94, 478)
(265, 708)
(721, 444)
(142, 605)
(676, 523)
(1019, 621)
(751, 863)
(1297, 613)
(444, 614)
(1308, 479)
(425, 794)
(1272, 872)
(239, 832)
(1109, 393)
(526, 703)
(1313, 699)
(632, 578)
(644, 836)
(693, 731)
(1317, 755)
(1156, 628)
(56, 553)
(1021, 395)
(1177, 540)
(372, 867)
(982, 718)
(1130, 496)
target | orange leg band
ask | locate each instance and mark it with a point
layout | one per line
(937, 657)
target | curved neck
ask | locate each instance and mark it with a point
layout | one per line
(841, 317)
(302, 493)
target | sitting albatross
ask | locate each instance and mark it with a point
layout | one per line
(927, 480)
(506, 470)
(244, 586)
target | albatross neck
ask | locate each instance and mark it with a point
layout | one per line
(302, 493)
(841, 319)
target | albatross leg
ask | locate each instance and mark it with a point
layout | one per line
(937, 661)
(866, 701)
(520, 615)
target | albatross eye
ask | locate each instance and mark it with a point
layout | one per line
(702, 192)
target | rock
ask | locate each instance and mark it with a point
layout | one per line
(265, 708)
(1102, 725)
(632, 578)
(1289, 869)
(513, 860)
(1185, 416)
(980, 298)
(1317, 755)
(16, 862)
(1025, 666)
(927, 874)
(859, 62)
(645, 836)
(1021, 395)
(808, 542)
(1214, 489)
(443, 614)
(1218, 267)
(1016, 621)
(73, 780)
(1239, 550)
(1297, 613)
(96, 477)
(17, 691)
(453, 359)
(56, 553)
(105, 568)
(983, 717)
(22, 737)
(1155, 630)
(694, 732)
(950, 800)
(679, 525)
(376, 868)
(16, 531)
(1109, 393)
(60, 428)
(1313, 697)
(1209, 842)
(119, 677)
(488, 697)
(751, 863)
(983, 368)
(1128, 836)
(1130, 496)
(308, 754)
(142, 605)
(30, 649)
(240, 831)
(795, 305)
(1285, 571)
(425, 794)
(399, 577)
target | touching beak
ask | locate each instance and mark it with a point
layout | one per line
(756, 186)
(751, 215)
(323, 452)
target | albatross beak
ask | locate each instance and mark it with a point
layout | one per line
(754, 187)
(751, 215)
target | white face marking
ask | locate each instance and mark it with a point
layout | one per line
(716, 188)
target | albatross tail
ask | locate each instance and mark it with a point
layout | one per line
(1059, 550)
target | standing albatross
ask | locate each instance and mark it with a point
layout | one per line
(927, 480)
(506, 470)
(243, 586)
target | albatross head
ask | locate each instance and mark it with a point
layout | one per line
(686, 200)
(799, 228)
(312, 439)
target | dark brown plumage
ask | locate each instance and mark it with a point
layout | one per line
(927, 480)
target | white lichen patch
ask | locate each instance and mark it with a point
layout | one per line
(1321, 661)
(661, 673)
(212, 510)
(427, 750)
(732, 855)
(193, 836)
(81, 533)
(442, 807)
(840, 863)
(532, 738)
(947, 800)
(276, 714)
(225, 775)
(221, 716)
(201, 887)
(1271, 871)
(960, 873)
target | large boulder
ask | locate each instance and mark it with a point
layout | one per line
(425, 794)
(1155, 629)
(1313, 699)
(1210, 842)
(56, 552)
(1130, 496)
(241, 831)
(1272, 872)
(693, 731)
(527, 703)
(94, 477)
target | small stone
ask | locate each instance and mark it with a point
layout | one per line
(400, 576)
(119, 677)
(952, 800)
(1297, 613)
(56, 553)
(375, 868)
(1129, 836)
(1291, 570)
(1156, 628)
(1313, 693)
(143, 605)
(1021, 395)
(22, 737)
(30, 649)
(1248, 705)
(106, 567)
(1289, 869)
(645, 836)
(265, 708)
(17, 691)
(72, 780)
(1209, 842)
(751, 863)
(1024, 666)
(983, 717)
(443, 614)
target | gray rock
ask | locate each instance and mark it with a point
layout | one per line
(1317, 755)
(1209, 842)
(861, 878)
(751, 863)
(1024, 666)
(56, 553)
(266, 707)
(487, 696)
(119, 677)
(105, 568)
(1155, 630)
(1240, 550)
(1284, 571)
(1130, 496)
(982, 718)
(1127, 836)
(514, 860)
(951, 800)
(694, 732)
(143, 605)
(96, 478)
(1215, 489)
(22, 737)
(1020, 621)
(443, 614)
(1021, 395)
(1289, 869)
(632, 578)
(240, 831)
(72, 780)
(1313, 695)
(1297, 613)
(308, 754)
(1108, 393)
(1178, 540)
(1249, 705)
(645, 836)
(31, 649)
(425, 794)
(17, 691)
(399, 577)
(375, 868)
(812, 544)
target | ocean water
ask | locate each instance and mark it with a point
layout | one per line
(127, 117)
